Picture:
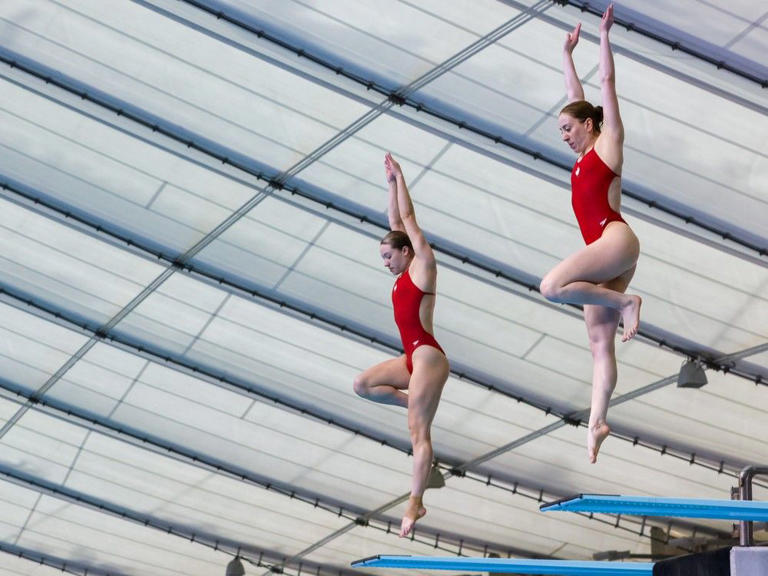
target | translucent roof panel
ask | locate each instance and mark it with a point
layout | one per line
(251, 103)
(725, 417)
(70, 531)
(19, 566)
(191, 204)
(270, 353)
(364, 39)
(33, 349)
(527, 225)
(513, 335)
(58, 266)
(624, 469)
(148, 485)
(723, 31)
(481, 97)
(126, 184)
(180, 410)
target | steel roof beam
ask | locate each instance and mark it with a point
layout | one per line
(513, 142)
(245, 550)
(674, 45)
(252, 389)
(140, 439)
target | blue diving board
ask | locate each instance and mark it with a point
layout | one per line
(514, 565)
(650, 506)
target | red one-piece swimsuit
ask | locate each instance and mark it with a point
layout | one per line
(406, 302)
(590, 180)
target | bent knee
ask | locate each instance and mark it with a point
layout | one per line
(551, 289)
(360, 386)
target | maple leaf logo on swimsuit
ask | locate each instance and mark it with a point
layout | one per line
(415, 342)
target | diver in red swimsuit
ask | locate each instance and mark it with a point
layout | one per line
(406, 301)
(423, 369)
(597, 275)
(591, 179)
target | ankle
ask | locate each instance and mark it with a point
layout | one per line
(415, 500)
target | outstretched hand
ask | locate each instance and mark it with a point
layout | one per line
(391, 167)
(572, 38)
(607, 21)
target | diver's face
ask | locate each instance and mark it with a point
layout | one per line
(575, 133)
(396, 260)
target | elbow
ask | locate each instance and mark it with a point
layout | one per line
(608, 78)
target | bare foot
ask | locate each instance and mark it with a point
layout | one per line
(413, 512)
(630, 316)
(595, 436)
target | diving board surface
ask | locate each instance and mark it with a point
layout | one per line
(514, 565)
(651, 506)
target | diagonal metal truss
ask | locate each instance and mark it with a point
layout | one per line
(374, 519)
(184, 261)
(254, 554)
(276, 183)
(461, 469)
(457, 258)
(253, 389)
(64, 565)
(184, 453)
(443, 540)
(507, 140)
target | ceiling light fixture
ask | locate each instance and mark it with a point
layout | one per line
(691, 375)
(235, 568)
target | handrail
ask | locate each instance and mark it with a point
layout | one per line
(745, 493)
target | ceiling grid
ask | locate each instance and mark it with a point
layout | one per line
(192, 199)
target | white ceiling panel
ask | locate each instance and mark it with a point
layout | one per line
(33, 349)
(148, 485)
(56, 265)
(90, 167)
(751, 42)
(236, 149)
(70, 531)
(721, 25)
(190, 89)
(363, 36)
(15, 566)
(622, 468)
(724, 417)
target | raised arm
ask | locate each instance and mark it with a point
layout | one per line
(573, 88)
(422, 251)
(612, 125)
(393, 210)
